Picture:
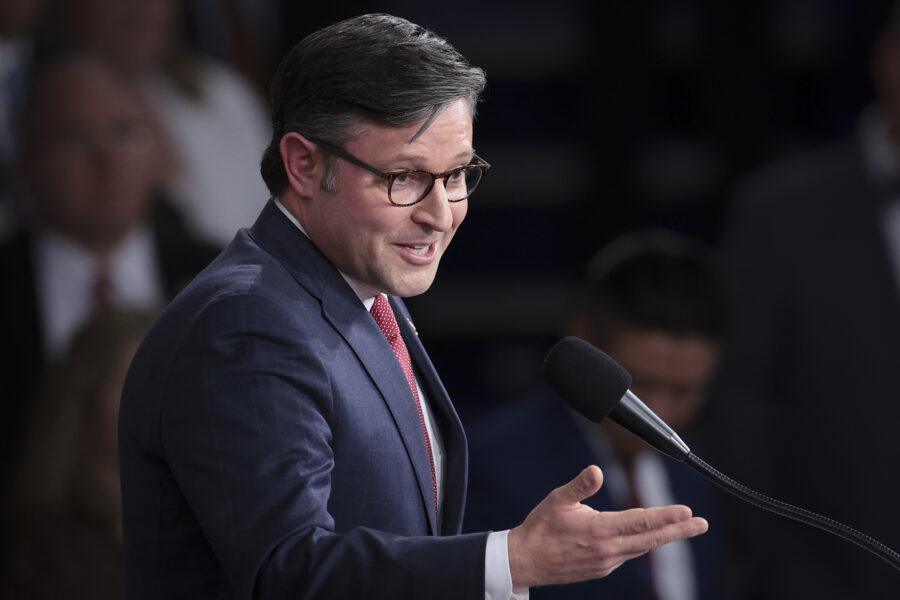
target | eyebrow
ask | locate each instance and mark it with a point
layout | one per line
(466, 155)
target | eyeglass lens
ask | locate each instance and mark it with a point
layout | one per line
(412, 186)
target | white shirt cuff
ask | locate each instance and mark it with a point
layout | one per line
(497, 578)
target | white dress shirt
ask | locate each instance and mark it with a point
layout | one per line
(65, 273)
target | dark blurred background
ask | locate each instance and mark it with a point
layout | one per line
(604, 117)
(599, 118)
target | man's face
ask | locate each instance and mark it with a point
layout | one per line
(88, 167)
(387, 248)
(670, 374)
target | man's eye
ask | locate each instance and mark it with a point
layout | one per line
(403, 179)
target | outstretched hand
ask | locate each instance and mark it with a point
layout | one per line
(564, 541)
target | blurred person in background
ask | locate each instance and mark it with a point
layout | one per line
(806, 401)
(216, 123)
(654, 304)
(98, 234)
(62, 516)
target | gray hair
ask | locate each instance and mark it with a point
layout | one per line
(372, 68)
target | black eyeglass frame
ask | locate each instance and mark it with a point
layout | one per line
(482, 164)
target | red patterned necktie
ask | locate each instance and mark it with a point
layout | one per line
(384, 316)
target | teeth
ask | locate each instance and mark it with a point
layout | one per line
(420, 249)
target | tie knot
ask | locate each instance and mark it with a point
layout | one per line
(384, 316)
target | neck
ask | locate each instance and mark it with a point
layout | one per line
(101, 246)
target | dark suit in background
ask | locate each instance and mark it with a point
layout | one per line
(807, 407)
(179, 254)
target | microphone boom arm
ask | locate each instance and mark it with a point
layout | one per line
(792, 512)
(596, 386)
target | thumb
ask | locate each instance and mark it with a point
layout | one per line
(585, 485)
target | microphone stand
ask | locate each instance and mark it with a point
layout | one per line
(792, 512)
(635, 416)
(572, 361)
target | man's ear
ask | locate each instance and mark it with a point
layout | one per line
(302, 163)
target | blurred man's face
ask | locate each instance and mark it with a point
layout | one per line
(670, 374)
(88, 163)
(387, 248)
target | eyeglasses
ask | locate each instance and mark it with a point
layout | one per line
(411, 186)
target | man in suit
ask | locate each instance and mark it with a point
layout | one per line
(653, 303)
(278, 439)
(807, 393)
(97, 236)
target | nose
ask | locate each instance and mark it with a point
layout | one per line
(434, 210)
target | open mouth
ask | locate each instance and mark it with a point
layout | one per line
(419, 251)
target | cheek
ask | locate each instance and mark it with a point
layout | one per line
(679, 410)
(459, 211)
(62, 177)
(64, 191)
(345, 236)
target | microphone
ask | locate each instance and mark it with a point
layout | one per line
(596, 386)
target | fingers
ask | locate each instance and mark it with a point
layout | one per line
(585, 485)
(558, 544)
(562, 540)
(641, 530)
(638, 520)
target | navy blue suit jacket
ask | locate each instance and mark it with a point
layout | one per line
(525, 450)
(271, 448)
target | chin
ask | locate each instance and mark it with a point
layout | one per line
(407, 289)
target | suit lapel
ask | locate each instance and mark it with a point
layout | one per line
(344, 311)
(447, 420)
(376, 355)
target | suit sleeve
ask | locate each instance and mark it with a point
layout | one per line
(247, 432)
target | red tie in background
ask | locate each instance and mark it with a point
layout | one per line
(384, 316)
(103, 286)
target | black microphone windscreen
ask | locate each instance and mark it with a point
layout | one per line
(585, 377)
